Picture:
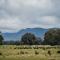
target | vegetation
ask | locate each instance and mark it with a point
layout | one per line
(30, 47)
(0, 53)
(21, 52)
(58, 52)
(52, 37)
(36, 52)
(29, 39)
(1, 39)
(9, 53)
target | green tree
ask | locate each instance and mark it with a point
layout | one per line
(28, 39)
(1, 39)
(52, 37)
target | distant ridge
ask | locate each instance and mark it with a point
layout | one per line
(39, 32)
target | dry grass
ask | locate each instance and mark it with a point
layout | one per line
(13, 52)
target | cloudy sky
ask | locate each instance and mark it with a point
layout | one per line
(20, 14)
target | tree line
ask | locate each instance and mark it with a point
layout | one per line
(51, 37)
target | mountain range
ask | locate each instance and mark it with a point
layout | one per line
(38, 32)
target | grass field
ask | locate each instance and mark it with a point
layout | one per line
(25, 52)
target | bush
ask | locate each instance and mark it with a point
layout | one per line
(18, 53)
(21, 52)
(15, 48)
(0, 53)
(36, 52)
(43, 48)
(49, 52)
(26, 52)
(58, 52)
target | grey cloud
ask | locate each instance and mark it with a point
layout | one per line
(29, 12)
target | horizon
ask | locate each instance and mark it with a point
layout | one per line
(26, 28)
(29, 28)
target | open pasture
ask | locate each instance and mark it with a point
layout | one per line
(29, 52)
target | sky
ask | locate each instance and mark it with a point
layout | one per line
(20, 14)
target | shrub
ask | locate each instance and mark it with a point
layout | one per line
(15, 48)
(0, 53)
(43, 48)
(49, 52)
(36, 52)
(18, 53)
(26, 52)
(58, 52)
(21, 52)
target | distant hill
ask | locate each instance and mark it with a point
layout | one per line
(39, 32)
